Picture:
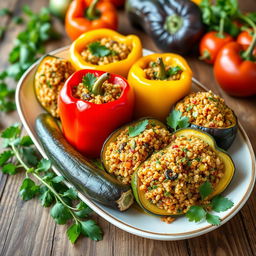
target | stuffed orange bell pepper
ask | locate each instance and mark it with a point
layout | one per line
(159, 81)
(106, 50)
(82, 17)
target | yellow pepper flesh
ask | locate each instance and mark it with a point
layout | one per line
(121, 67)
(155, 98)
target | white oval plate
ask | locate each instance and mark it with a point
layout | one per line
(133, 220)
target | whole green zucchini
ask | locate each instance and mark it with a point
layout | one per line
(79, 170)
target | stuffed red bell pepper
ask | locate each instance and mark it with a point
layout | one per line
(93, 104)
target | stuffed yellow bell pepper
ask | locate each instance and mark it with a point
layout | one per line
(159, 80)
(106, 50)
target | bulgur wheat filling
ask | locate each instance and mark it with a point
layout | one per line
(84, 90)
(170, 178)
(157, 70)
(207, 109)
(49, 80)
(105, 51)
(125, 154)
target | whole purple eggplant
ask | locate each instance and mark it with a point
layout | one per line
(174, 25)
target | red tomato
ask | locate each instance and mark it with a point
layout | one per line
(245, 38)
(235, 75)
(211, 44)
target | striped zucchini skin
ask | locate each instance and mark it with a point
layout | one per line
(79, 170)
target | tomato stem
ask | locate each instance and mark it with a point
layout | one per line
(206, 55)
(248, 54)
(161, 72)
(91, 12)
(97, 87)
(221, 29)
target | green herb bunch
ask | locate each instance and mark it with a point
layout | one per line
(20, 154)
(218, 204)
(28, 47)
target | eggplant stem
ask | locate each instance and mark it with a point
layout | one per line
(173, 23)
(97, 87)
(161, 74)
(91, 12)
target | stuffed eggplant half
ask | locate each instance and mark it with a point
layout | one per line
(129, 146)
(208, 112)
(167, 183)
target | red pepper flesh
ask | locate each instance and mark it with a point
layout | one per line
(86, 125)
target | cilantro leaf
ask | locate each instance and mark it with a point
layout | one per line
(71, 193)
(28, 189)
(5, 156)
(205, 189)
(57, 179)
(5, 11)
(175, 120)
(90, 229)
(137, 129)
(212, 219)
(88, 81)
(60, 213)
(44, 165)
(74, 232)
(173, 70)
(11, 132)
(9, 169)
(46, 197)
(196, 213)
(98, 50)
(83, 210)
(221, 204)
(26, 141)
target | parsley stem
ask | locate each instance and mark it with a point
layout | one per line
(17, 154)
(53, 191)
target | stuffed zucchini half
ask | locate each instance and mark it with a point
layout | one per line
(79, 170)
(168, 182)
(208, 112)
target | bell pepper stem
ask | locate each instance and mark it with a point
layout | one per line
(91, 12)
(161, 72)
(173, 23)
(97, 87)
(248, 54)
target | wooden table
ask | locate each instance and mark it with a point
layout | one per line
(27, 229)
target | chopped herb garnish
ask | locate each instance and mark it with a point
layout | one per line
(167, 193)
(137, 129)
(174, 70)
(99, 50)
(88, 81)
(185, 150)
(175, 120)
(213, 99)
(189, 108)
(48, 84)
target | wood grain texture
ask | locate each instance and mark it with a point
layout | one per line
(27, 229)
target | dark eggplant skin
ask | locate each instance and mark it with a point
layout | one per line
(151, 16)
(79, 170)
(224, 137)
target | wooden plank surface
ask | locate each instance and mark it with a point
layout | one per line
(27, 229)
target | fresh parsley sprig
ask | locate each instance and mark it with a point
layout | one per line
(137, 129)
(89, 80)
(219, 203)
(28, 47)
(175, 120)
(99, 50)
(20, 154)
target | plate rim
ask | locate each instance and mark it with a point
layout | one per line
(115, 221)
